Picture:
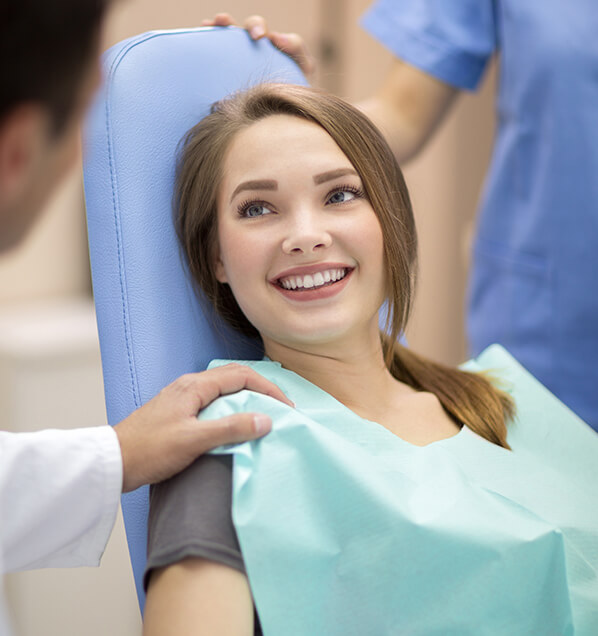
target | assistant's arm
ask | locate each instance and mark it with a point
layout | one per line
(408, 108)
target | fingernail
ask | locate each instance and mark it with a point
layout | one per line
(262, 424)
(257, 32)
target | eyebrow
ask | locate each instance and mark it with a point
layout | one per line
(333, 174)
(271, 184)
(262, 184)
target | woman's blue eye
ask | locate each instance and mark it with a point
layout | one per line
(342, 196)
(254, 209)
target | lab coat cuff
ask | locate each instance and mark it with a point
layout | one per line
(111, 457)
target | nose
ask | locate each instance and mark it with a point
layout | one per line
(306, 234)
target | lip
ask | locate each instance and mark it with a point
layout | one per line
(321, 293)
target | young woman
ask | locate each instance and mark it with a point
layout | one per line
(297, 227)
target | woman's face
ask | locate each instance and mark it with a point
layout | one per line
(299, 244)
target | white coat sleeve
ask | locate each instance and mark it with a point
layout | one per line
(59, 495)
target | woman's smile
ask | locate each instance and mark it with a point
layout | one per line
(313, 282)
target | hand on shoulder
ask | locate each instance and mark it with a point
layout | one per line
(164, 436)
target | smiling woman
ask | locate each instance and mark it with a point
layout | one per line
(281, 185)
(297, 226)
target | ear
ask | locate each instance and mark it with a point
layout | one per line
(219, 270)
(23, 136)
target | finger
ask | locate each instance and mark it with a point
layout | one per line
(202, 388)
(233, 429)
(256, 26)
(294, 46)
(236, 377)
(207, 22)
(224, 19)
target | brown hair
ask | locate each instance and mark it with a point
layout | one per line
(469, 398)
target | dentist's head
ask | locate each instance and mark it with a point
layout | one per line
(49, 65)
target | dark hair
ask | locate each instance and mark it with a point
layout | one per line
(46, 48)
(469, 398)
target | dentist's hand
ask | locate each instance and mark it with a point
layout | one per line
(164, 436)
(290, 43)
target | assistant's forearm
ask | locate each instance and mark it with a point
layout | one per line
(408, 107)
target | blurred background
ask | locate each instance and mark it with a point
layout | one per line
(50, 374)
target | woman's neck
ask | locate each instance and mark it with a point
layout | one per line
(358, 378)
(355, 375)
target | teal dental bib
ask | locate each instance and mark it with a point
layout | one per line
(346, 529)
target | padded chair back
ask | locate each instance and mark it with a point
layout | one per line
(151, 325)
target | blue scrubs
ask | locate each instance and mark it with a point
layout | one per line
(534, 284)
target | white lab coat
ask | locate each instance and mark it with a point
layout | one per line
(59, 495)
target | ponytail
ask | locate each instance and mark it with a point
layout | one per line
(469, 398)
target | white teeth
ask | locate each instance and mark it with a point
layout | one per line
(310, 281)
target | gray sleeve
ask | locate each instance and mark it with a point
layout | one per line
(190, 516)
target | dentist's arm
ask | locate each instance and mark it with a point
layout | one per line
(60, 489)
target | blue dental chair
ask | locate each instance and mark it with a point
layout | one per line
(151, 325)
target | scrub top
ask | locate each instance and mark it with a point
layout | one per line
(533, 286)
(347, 529)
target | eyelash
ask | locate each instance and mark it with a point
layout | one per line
(358, 192)
(243, 207)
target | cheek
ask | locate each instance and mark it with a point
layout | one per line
(371, 237)
(373, 242)
(236, 260)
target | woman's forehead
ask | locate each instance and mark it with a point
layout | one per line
(278, 144)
